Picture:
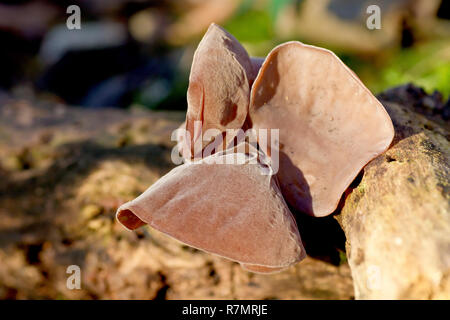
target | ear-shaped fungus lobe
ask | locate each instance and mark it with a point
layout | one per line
(219, 88)
(231, 210)
(330, 125)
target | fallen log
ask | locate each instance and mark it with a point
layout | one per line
(65, 170)
(397, 219)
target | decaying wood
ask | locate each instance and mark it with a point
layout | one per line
(65, 170)
(63, 173)
(397, 220)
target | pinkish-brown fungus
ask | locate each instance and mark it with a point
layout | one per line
(330, 127)
(330, 124)
(231, 210)
(219, 85)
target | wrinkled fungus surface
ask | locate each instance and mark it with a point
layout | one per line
(231, 210)
(219, 84)
(330, 126)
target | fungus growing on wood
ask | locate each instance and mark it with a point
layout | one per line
(223, 207)
(330, 124)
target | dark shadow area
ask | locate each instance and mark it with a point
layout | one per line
(323, 238)
(293, 184)
(162, 292)
(77, 160)
(444, 10)
(411, 99)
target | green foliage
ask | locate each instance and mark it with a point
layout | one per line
(276, 6)
(342, 257)
(427, 66)
(251, 26)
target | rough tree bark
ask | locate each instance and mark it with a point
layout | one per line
(397, 219)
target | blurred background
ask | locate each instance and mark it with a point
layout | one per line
(138, 53)
(85, 123)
